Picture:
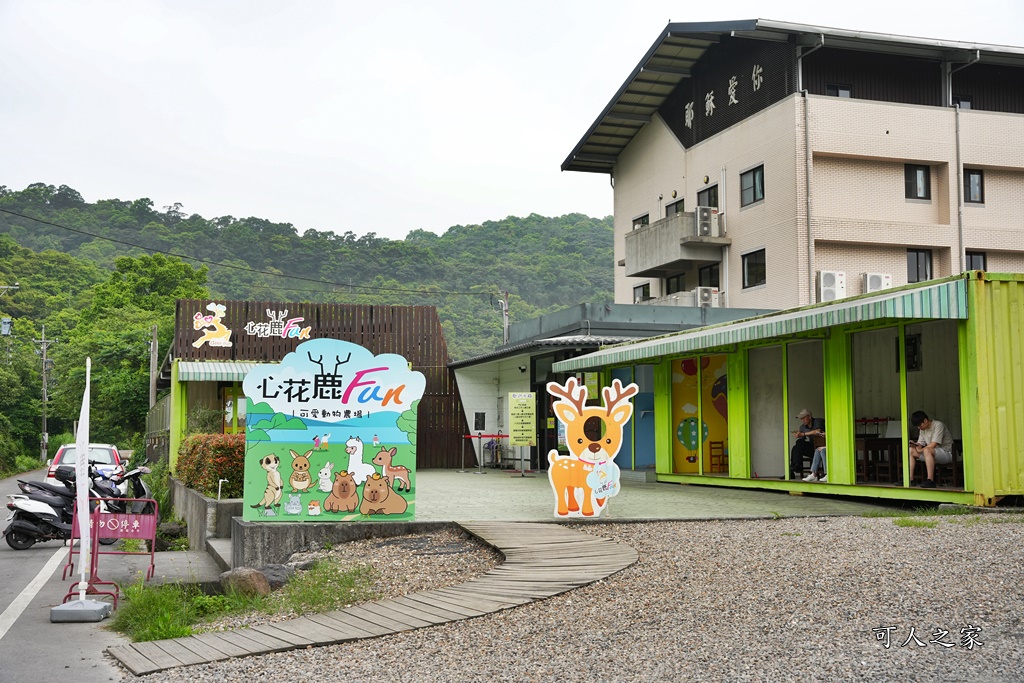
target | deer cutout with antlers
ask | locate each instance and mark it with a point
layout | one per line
(593, 435)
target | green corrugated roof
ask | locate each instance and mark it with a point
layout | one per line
(210, 371)
(946, 300)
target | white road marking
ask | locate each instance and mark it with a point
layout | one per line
(19, 603)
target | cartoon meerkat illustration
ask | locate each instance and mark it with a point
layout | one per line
(275, 489)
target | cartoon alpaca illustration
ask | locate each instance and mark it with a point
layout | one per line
(394, 473)
(343, 496)
(219, 335)
(300, 481)
(359, 469)
(590, 467)
(272, 494)
(325, 477)
(379, 499)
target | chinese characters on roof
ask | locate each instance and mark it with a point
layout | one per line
(756, 79)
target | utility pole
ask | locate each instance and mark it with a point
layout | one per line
(153, 368)
(504, 318)
(44, 344)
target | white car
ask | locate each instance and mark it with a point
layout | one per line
(105, 455)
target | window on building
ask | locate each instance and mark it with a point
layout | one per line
(754, 271)
(919, 265)
(974, 186)
(918, 181)
(707, 276)
(708, 197)
(752, 186)
(838, 90)
(676, 283)
(963, 100)
(673, 208)
(641, 221)
(976, 260)
(642, 292)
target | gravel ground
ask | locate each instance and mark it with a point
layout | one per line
(775, 600)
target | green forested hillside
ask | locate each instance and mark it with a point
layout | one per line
(99, 275)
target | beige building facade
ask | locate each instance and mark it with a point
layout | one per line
(835, 163)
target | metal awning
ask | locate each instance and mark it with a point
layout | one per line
(209, 371)
(946, 300)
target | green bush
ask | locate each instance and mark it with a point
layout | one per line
(159, 488)
(204, 459)
(204, 420)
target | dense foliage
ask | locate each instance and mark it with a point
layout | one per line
(100, 275)
(205, 459)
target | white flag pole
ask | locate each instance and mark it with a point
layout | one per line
(82, 483)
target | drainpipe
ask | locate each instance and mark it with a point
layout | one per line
(807, 165)
(724, 275)
(959, 165)
(959, 198)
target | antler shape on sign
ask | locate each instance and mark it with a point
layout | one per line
(570, 396)
(616, 393)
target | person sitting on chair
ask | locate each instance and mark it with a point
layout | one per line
(818, 472)
(934, 445)
(810, 426)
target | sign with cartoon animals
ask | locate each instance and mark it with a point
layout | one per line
(331, 436)
(584, 480)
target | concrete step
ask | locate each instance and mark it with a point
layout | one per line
(220, 550)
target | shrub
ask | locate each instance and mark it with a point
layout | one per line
(159, 488)
(204, 459)
(204, 420)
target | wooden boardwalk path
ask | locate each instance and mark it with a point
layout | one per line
(541, 560)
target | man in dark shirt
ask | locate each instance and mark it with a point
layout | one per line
(810, 427)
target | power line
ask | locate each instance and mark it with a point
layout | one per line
(243, 268)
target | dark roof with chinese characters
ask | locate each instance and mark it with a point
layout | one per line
(680, 46)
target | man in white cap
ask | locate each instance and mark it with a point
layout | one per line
(810, 427)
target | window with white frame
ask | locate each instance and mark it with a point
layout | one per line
(919, 265)
(708, 197)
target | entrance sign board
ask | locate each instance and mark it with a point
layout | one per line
(331, 436)
(522, 418)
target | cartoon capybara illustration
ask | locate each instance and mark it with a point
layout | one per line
(343, 496)
(379, 499)
(398, 475)
(360, 470)
(325, 477)
(274, 490)
(300, 479)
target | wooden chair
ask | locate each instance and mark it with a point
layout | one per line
(719, 458)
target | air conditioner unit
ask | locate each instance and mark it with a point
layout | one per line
(874, 282)
(831, 285)
(706, 218)
(707, 297)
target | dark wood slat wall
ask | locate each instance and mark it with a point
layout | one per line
(410, 331)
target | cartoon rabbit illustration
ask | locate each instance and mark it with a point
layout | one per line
(325, 477)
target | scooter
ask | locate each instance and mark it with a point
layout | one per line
(44, 512)
(127, 485)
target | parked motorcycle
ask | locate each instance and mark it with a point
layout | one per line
(121, 486)
(45, 512)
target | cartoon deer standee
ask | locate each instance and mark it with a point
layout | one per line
(593, 435)
(219, 335)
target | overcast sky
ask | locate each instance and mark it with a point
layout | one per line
(373, 116)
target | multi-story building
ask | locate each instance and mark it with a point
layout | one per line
(830, 162)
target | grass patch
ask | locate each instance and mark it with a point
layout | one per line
(921, 512)
(133, 545)
(326, 586)
(925, 523)
(175, 610)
